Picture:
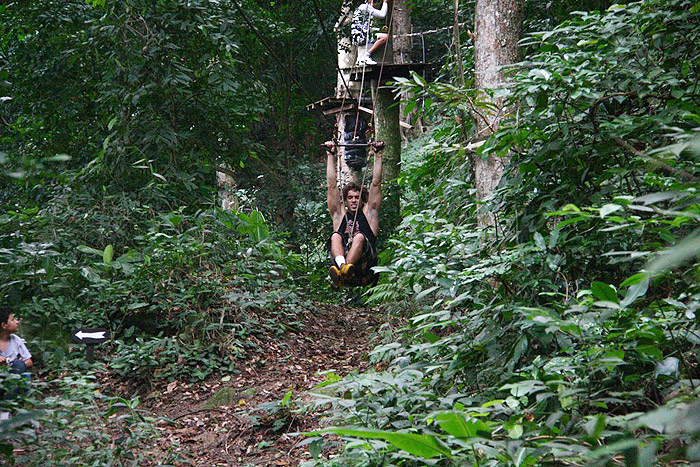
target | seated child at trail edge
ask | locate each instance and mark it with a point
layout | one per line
(13, 351)
(353, 244)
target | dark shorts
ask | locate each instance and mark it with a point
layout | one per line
(363, 268)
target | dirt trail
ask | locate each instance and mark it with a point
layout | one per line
(332, 338)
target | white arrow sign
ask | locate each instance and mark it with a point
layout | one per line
(90, 335)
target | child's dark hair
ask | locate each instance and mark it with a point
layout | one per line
(5, 312)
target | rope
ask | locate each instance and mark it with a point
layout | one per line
(374, 123)
(430, 31)
(359, 97)
(362, 81)
(357, 120)
(354, 220)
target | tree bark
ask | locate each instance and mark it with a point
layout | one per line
(402, 44)
(498, 24)
(345, 89)
(346, 174)
(402, 48)
(227, 186)
(386, 119)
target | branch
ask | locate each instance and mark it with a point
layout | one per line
(594, 107)
(665, 168)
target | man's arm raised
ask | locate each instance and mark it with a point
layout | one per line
(374, 200)
(333, 198)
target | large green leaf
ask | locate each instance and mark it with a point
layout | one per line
(635, 291)
(108, 254)
(683, 252)
(427, 446)
(459, 427)
(89, 250)
(604, 292)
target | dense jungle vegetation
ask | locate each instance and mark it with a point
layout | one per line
(564, 334)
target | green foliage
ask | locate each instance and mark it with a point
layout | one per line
(425, 446)
(569, 333)
(145, 71)
(168, 359)
(279, 415)
(60, 424)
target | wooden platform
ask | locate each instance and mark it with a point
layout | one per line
(388, 71)
(333, 105)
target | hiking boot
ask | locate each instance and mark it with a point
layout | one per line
(347, 270)
(336, 276)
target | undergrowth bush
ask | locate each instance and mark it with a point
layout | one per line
(69, 421)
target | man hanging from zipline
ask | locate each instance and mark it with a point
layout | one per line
(353, 244)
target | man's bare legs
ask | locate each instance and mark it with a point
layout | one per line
(367, 58)
(341, 272)
(355, 252)
(337, 248)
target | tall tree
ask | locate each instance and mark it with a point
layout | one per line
(386, 119)
(403, 46)
(498, 24)
(402, 42)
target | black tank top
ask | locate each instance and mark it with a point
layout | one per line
(346, 228)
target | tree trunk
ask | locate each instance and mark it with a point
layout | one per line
(498, 24)
(346, 174)
(386, 119)
(347, 54)
(401, 26)
(402, 47)
(227, 186)
(388, 130)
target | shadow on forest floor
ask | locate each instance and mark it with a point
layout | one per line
(219, 422)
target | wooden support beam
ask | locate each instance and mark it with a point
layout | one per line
(388, 71)
(327, 102)
(345, 108)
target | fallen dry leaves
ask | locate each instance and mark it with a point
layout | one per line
(332, 338)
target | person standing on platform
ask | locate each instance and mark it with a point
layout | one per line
(360, 29)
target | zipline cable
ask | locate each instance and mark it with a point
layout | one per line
(430, 31)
